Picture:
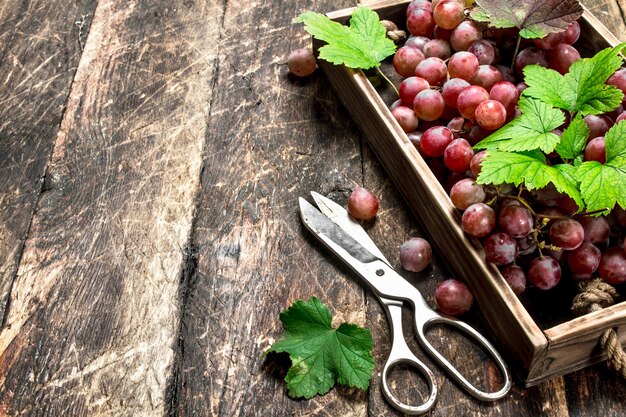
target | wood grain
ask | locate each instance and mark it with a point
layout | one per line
(40, 46)
(94, 311)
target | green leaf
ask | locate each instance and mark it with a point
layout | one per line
(531, 169)
(534, 18)
(320, 354)
(531, 130)
(603, 185)
(546, 85)
(574, 139)
(363, 44)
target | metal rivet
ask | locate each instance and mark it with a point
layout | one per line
(380, 272)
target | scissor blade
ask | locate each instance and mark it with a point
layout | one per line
(321, 226)
(342, 218)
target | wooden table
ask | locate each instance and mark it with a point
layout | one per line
(151, 156)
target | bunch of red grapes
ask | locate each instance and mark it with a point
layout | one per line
(462, 81)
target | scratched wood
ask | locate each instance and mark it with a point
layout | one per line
(94, 312)
(40, 46)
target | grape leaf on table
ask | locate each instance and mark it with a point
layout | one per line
(532, 130)
(603, 185)
(321, 354)
(583, 88)
(531, 169)
(534, 18)
(574, 139)
(363, 44)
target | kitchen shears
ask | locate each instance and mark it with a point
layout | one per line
(344, 236)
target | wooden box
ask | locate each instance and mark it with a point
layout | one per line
(537, 351)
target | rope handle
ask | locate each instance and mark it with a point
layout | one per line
(595, 295)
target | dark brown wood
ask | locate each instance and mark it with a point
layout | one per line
(94, 314)
(40, 46)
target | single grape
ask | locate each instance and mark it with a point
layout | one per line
(395, 104)
(618, 79)
(615, 113)
(521, 87)
(476, 163)
(612, 266)
(441, 33)
(567, 234)
(437, 48)
(515, 220)
(562, 57)
(417, 42)
(453, 297)
(500, 249)
(507, 74)
(550, 41)
(435, 140)
(544, 273)
(406, 118)
(452, 180)
(466, 192)
(409, 87)
(584, 260)
(362, 204)
(432, 70)
(506, 93)
(448, 14)
(451, 90)
(572, 33)
(620, 117)
(415, 138)
(485, 52)
(469, 99)
(515, 277)
(420, 22)
(415, 254)
(418, 4)
(466, 33)
(301, 62)
(406, 59)
(456, 124)
(596, 150)
(490, 114)
(478, 220)
(428, 105)
(598, 125)
(486, 77)
(458, 155)
(463, 65)
(530, 55)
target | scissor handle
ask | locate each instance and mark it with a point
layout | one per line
(400, 354)
(473, 334)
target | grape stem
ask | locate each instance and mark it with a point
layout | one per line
(388, 81)
(519, 40)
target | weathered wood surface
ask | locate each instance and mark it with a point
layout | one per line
(124, 303)
(94, 307)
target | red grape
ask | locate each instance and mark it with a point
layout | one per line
(486, 76)
(618, 79)
(478, 220)
(301, 62)
(448, 14)
(466, 192)
(435, 140)
(441, 33)
(432, 70)
(469, 99)
(409, 87)
(550, 41)
(463, 65)
(415, 254)
(612, 266)
(437, 48)
(598, 125)
(500, 249)
(562, 57)
(490, 114)
(362, 204)
(584, 260)
(515, 277)
(406, 59)
(428, 105)
(484, 51)
(544, 273)
(453, 297)
(451, 90)
(506, 93)
(406, 118)
(476, 162)
(515, 220)
(530, 55)
(597, 229)
(420, 22)
(458, 155)
(418, 4)
(572, 33)
(417, 42)
(622, 116)
(466, 33)
(596, 150)
(567, 234)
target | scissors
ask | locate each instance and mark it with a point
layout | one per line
(344, 236)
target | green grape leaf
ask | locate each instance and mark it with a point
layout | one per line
(583, 88)
(534, 18)
(603, 185)
(531, 169)
(363, 44)
(532, 130)
(320, 354)
(574, 139)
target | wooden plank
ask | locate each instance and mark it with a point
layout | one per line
(94, 311)
(40, 46)
(612, 14)
(272, 139)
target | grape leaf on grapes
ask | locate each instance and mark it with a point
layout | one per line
(603, 185)
(534, 18)
(531, 169)
(574, 139)
(363, 44)
(583, 88)
(531, 130)
(321, 354)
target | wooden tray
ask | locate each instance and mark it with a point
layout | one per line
(536, 354)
